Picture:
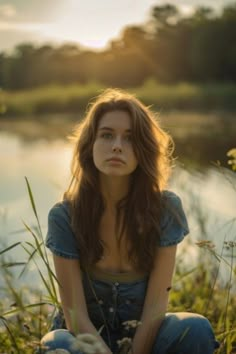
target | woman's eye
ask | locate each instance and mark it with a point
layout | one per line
(106, 135)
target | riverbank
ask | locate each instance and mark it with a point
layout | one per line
(73, 99)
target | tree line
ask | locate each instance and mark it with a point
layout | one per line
(168, 47)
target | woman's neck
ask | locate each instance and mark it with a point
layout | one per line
(114, 189)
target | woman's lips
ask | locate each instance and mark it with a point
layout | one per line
(115, 160)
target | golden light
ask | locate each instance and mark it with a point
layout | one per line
(62, 32)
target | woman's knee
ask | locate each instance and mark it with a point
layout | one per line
(58, 339)
(198, 331)
(193, 323)
(185, 331)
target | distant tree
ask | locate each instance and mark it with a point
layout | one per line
(229, 13)
(168, 47)
(213, 57)
(2, 70)
(229, 28)
(20, 73)
(202, 14)
(164, 15)
(129, 58)
(171, 43)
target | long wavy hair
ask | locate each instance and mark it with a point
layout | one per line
(140, 211)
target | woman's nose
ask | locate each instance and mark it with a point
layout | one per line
(117, 147)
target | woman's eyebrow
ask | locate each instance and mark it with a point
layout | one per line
(105, 128)
(111, 129)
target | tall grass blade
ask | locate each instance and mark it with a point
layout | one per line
(13, 264)
(28, 262)
(43, 255)
(26, 307)
(10, 247)
(32, 201)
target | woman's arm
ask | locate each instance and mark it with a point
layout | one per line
(72, 298)
(156, 299)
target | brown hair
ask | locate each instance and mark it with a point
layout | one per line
(141, 208)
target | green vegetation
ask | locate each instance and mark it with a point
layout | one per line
(27, 314)
(169, 47)
(170, 61)
(232, 161)
(51, 99)
(74, 98)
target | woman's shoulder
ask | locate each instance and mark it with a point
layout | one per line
(170, 196)
(60, 209)
(171, 204)
(60, 238)
(174, 225)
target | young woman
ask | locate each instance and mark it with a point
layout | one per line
(114, 236)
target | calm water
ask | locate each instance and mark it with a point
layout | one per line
(209, 197)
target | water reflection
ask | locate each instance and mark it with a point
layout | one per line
(208, 196)
(46, 165)
(200, 138)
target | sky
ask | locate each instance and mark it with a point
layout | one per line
(90, 23)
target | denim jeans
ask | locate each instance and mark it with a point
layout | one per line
(117, 302)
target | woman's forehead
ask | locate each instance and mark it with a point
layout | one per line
(115, 120)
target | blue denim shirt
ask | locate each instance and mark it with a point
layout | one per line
(111, 303)
(61, 240)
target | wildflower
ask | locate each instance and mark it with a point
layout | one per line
(206, 244)
(125, 345)
(124, 341)
(229, 244)
(131, 324)
(58, 351)
(88, 344)
(232, 161)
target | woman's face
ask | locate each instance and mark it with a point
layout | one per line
(113, 153)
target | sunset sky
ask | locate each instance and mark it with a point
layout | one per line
(87, 22)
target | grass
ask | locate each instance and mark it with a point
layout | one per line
(74, 98)
(24, 321)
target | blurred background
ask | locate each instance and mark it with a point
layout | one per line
(179, 57)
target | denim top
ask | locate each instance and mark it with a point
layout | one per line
(61, 240)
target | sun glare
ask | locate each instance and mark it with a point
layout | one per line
(63, 33)
(186, 10)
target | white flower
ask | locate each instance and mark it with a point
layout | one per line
(131, 324)
(58, 351)
(124, 341)
(88, 344)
